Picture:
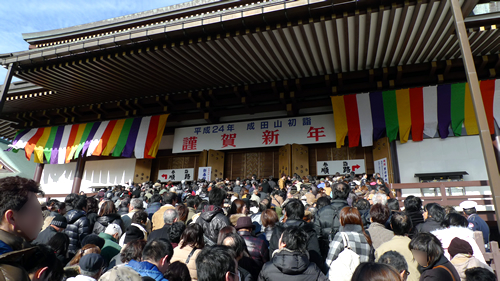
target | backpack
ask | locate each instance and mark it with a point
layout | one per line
(342, 268)
(335, 223)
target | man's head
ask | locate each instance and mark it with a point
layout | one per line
(479, 274)
(393, 204)
(397, 261)
(380, 213)
(136, 204)
(170, 198)
(91, 265)
(170, 216)
(400, 223)
(158, 252)
(19, 206)
(469, 207)
(413, 204)
(294, 210)
(237, 243)
(114, 230)
(216, 196)
(217, 263)
(193, 201)
(80, 203)
(294, 238)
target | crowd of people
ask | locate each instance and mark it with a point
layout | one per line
(342, 227)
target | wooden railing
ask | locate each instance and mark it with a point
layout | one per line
(492, 257)
(444, 196)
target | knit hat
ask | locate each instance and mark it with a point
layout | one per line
(121, 273)
(94, 240)
(133, 233)
(59, 221)
(459, 246)
(91, 262)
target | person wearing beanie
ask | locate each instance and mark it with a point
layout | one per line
(93, 239)
(91, 268)
(462, 258)
(133, 233)
(58, 224)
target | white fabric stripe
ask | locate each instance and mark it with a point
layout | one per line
(97, 137)
(141, 137)
(365, 119)
(21, 143)
(61, 155)
(496, 102)
(430, 111)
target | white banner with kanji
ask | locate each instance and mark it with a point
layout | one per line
(262, 133)
(204, 173)
(342, 166)
(176, 175)
(381, 168)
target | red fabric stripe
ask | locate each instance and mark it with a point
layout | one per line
(30, 146)
(488, 92)
(152, 132)
(417, 113)
(351, 110)
(71, 141)
(105, 138)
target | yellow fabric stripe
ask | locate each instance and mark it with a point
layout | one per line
(161, 127)
(339, 119)
(78, 140)
(113, 139)
(470, 121)
(404, 114)
(40, 145)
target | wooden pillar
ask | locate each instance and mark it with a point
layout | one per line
(477, 101)
(4, 89)
(77, 180)
(38, 172)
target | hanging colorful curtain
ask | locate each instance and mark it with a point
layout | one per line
(422, 111)
(139, 136)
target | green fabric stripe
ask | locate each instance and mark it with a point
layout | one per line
(85, 135)
(122, 139)
(457, 107)
(391, 114)
(47, 150)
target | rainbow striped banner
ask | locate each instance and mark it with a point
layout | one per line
(424, 110)
(139, 136)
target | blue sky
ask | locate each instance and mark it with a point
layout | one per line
(25, 16)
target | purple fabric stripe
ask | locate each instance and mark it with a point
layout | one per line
(132, 138)
(57, 143)
(90, 137)
(444, 109)
(378, 118)
(18, 137)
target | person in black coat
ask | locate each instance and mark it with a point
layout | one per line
(107, 215)
(427, 250)
(291, 261)
(326, 222)
(413, 209)
(58, 224)
(294, 212)
(434, 216)
(78, 224)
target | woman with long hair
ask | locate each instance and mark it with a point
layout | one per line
(351, 224)
(189, 247)
(92, 209)
(85, 250)
(107, 215)
(238, 209)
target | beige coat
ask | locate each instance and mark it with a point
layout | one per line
(182, 255)
(400, 245)
(463, 262)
